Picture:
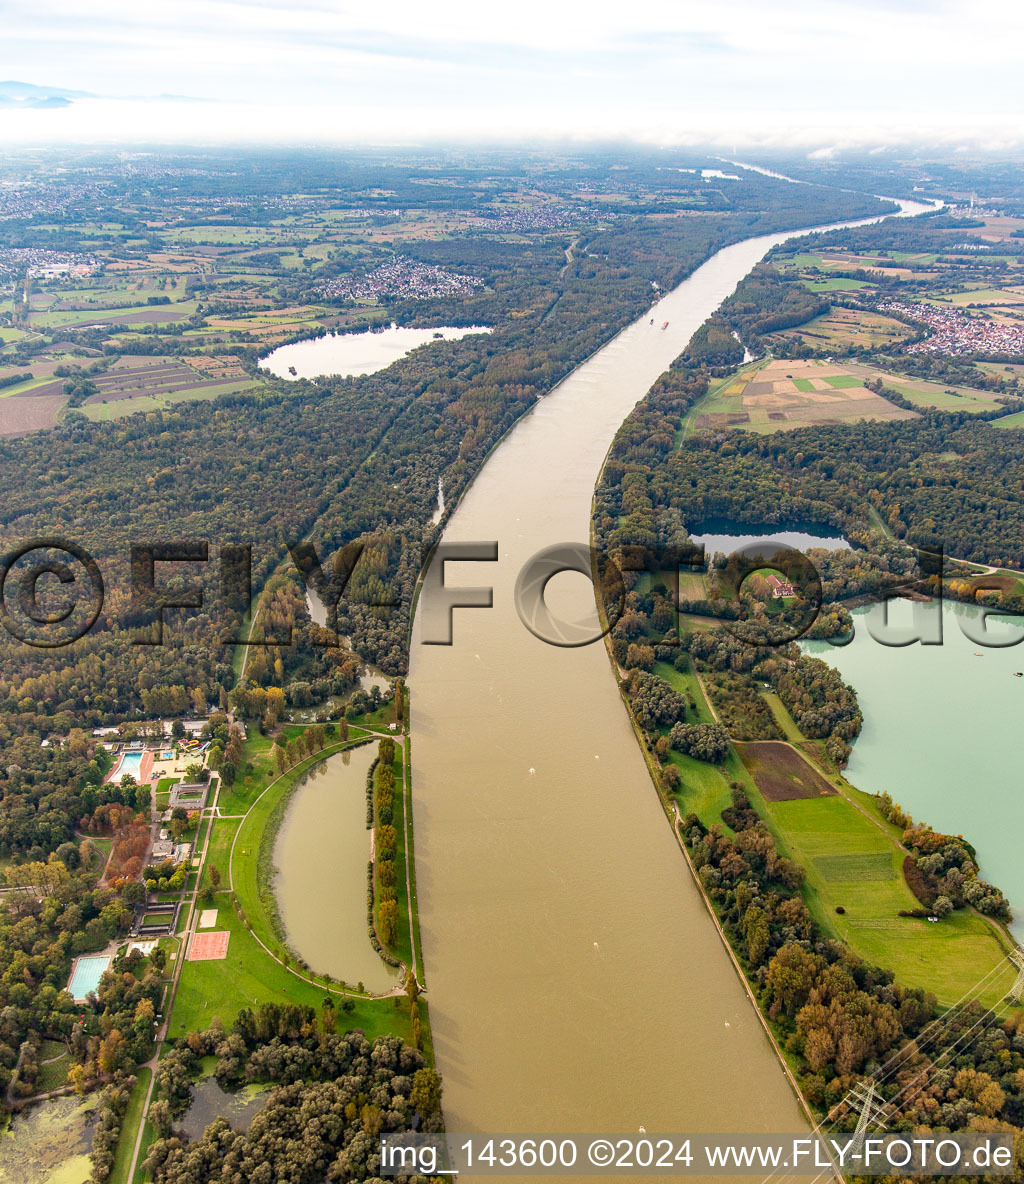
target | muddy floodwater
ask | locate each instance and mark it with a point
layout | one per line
(320, 858)
(576, 981)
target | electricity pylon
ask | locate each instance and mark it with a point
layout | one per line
(1017, 990)
(864, 1098)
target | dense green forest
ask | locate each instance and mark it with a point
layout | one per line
(330, 1098)
(296, 471)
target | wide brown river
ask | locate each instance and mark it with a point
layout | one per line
(576, 982)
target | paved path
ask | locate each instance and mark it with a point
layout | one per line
(172, 989)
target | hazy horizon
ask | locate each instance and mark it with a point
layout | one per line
(801, 75)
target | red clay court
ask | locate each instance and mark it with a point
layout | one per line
(208, 947)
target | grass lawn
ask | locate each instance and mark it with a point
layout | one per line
(687, 684)
(1010, 421)
(149, 1137)
(130, 1129)
(54, 1074)
(839, 284)
(375, 721)
(787, 724)
(224, 830)
(853, 864)
(248, 976)
(704, 791)
(934, 395)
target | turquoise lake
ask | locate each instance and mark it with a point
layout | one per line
(944, 731)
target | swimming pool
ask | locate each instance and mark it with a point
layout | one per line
(131, 762)
(87, 974)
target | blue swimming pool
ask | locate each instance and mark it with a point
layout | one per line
(88, 972)
(131, 762)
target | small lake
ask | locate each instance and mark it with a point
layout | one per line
(942, 732)
(320, 858)
(210, 1102)
(725, 535)
(357, 353)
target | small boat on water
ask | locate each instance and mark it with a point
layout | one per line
(1018, 674)
(665, 326)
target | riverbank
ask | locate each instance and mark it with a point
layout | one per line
(521, 745)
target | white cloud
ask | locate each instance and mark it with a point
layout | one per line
(459, 67)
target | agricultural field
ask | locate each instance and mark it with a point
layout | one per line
(814, 267)
(941, 396)
(983, 295)
(785, 394)
(1016, 420)
(853, 865)
(854, 886)
(780, 773)
(148, 384)
(840, 328)
(22, 414)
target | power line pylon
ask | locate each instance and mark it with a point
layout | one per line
(864, 1098)
(1017, 990)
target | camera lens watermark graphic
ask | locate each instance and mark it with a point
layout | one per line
(765, 594)
(51, 593)
(537, 574)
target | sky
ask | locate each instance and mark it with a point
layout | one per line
(659, 71)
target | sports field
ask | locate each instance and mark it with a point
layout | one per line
(208, 947)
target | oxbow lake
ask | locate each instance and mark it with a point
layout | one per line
(942, 731)
(357, 353)
(320, 860)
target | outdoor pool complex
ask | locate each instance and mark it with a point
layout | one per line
(87, 975)
(131, 762)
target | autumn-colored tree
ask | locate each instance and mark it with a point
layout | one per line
(755, 925)
(112, 1052)
(791, 975)
(426, 1092)
(387, 919)
(327, 1012)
